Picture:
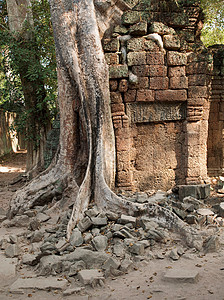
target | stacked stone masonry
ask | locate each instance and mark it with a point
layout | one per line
(160, 87)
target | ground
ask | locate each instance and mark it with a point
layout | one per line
(145, 281)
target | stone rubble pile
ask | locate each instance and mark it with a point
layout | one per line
(104, 244)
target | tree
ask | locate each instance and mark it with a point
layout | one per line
(23, 49)
(213, 30)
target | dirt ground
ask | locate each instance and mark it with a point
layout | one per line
(146, 281)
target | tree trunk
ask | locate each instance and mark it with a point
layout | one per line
(26, 59)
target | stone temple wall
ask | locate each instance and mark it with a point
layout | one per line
(216, 115)
(159, 84)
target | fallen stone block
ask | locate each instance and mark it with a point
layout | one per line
(12, 251)
(72, 291)
(137, 248)
(99, 242)
(199, 191)
(8, 266)
(90, 277)
(41, 217)
(111, 263)
(30, 259)
(181, 276)
(97, 221)
(39, 283)
(205, 212)
(84, 224)
(76, 238)
(127, 219)
(212, 244)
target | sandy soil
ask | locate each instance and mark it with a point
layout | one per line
(146, 281)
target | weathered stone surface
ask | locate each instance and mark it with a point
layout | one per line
(8, 267)
(179, 82)
(177, 71)
(12, 251)
(171, 95)
(91, 258)
(181, 276)
(137, 248)
(131, 17)
(138, 29)
(155, 58)
(157, 70)
(145, 95)
(147, 112)
(99, 242)
(197, 92)
(72, 291)
(118, 71)
(41, 217)
(136, 58)
(176, 58)
(19, 221)
(52, 283)
(171, 42)
(111, 45)
(200, 191)
(136, 44)
(34, 224)
(30, 259)
(48, 248)
(205, 212)
(50, 265)
(111, 263)
(159, 83)
(112, 216)
(120, 29)
(37, 236)
(90, 276)
(212, 244)
(119, 249)
(84, 224)
(76, 238)
(97, 221)
(174, 255)
(127, 219)
(221, 209)
(112, 58)
(160, 28)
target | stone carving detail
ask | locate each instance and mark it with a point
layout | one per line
(155, 112)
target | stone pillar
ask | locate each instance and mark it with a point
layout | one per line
(196, 125)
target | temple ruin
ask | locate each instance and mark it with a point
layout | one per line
(166, 96)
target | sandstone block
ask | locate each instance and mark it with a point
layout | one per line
(120, 29)
(176, 58)
(76, 238)
(177, 71)
(118, 71)
(130, 96)
(137, 248)
(181, 276)
(12, 251)
(155, 58)
(197, 68)
(171, 42)
(171, 95)
(135, 44)
(179, 82)
(90, 276)
(136, 58)
(84, 224)
(117, 107)
(157, 70)
(100, 242)
(127, 219)
(111, 45)
(131, 17)
(197, 80)
(99, 221)
(112, 58)
(138, 29)
(39, 283)
(151, 46)
(111, 263)
(197, 92)
(141, 71)
(159, 83)
(143, 83)
(115, 98)
(160, 28)
(145, 95)
(123, 85)
(200, 191)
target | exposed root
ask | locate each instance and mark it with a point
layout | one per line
(39, 191)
